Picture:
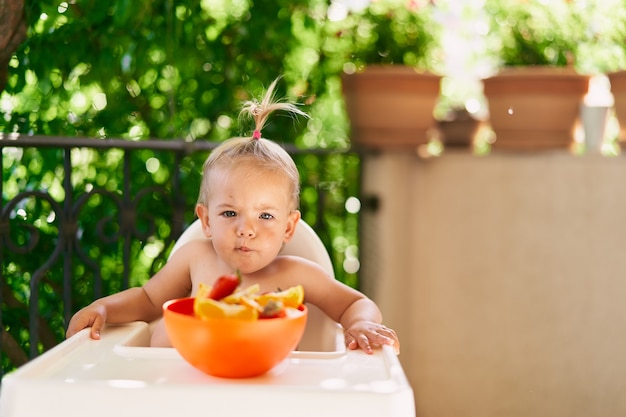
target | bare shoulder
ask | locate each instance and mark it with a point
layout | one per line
(199, 257)
(176, 278)
(289, 270)
(193, 247)
(192, 255)
(292, 263)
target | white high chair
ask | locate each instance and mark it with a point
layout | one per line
(321, 331)
(126, 378)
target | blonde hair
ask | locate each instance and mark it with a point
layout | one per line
(262, 154)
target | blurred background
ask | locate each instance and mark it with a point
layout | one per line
(108, 110)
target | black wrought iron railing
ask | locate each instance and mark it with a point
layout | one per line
(81, 218)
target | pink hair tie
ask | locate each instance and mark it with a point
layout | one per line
(256, 134)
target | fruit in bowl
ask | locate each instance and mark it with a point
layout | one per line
(241, 335)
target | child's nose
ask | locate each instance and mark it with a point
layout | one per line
(246, 229)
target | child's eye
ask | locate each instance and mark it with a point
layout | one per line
(266, 216)
(229, 213)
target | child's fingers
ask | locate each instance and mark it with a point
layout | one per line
(82, 321)
(364, 343)
(359, 342)
(96, 327)
(368, 339)
(390, 338)
(74, 327)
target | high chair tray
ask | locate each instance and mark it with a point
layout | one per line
(116, 377)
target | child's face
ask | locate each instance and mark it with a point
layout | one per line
(250, 216)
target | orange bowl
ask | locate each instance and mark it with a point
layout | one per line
(231, 348)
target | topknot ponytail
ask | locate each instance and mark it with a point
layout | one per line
(260, 111)
(264, 154)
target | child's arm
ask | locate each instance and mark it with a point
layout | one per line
(129, 305)
(360, 316)
(139, 303)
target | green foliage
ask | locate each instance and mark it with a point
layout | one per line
(586, 35)
(604, 49)
(139, 69)
(387, 32)
(536, 32)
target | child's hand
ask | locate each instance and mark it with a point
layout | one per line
(368, 335)
(94, 316)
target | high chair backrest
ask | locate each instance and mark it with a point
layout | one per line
(321, 331)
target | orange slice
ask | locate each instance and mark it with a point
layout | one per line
(239, 294)
(203, 290)
(206, 308)
(291, 297)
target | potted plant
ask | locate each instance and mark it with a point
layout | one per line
(384, 53)
(610, 55)
(535, 98)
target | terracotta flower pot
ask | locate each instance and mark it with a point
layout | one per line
(391, 107)
(618, 89)
(459, 129)
(535, 108)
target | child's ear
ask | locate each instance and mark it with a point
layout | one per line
(203, 214)
(292, 222)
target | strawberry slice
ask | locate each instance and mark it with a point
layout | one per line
(225, 286)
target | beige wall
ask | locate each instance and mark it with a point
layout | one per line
(505, 277)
